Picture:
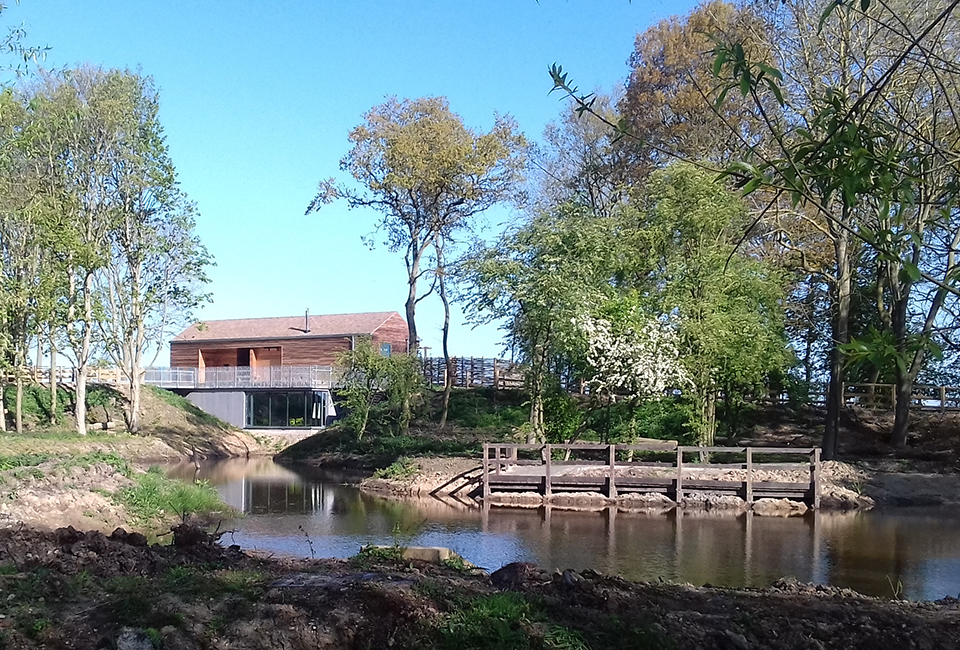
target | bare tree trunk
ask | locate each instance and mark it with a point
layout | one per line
(448, 383)
(80, 411)
(53, 382)
(19, 412)
(132, 412)
(841, 335)
(83, 357)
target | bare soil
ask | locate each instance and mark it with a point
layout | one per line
(68, 589)
(59, 493)
(52, 495)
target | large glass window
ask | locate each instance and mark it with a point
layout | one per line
(279, 410)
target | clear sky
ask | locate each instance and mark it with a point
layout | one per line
(257, 99)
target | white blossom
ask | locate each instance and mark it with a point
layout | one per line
(638, 361)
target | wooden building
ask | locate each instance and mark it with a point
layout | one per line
(272, 372)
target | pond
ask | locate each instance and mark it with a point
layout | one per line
(302, 511)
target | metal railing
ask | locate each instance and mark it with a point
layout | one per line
(242, 377)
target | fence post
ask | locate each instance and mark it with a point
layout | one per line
(486, 472)
(679, 475)
(815, 476)
(612, 481)
(943, 399)
(749, 476)
(548, 478)
(893, 396)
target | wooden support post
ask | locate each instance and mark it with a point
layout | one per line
(749, 476)
(497, 448)
(612, 480)
(486, 472)
(815, 477)
(893, 397)
(679, 487)
(943, 399)
(548, 477)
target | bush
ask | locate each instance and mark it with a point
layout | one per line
(400, 469)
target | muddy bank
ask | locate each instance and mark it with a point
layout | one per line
(86, 590)
(843, 487)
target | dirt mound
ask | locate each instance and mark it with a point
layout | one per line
(72, 589)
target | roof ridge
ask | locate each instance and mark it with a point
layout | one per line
(354, 313)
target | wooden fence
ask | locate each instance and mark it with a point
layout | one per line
(474, 372)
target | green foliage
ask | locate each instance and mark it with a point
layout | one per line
(367, 378)
(623, 422)
(505, 621)
(563, 417)
(154, 497)
(36, 401)
(369, 556)
(483, 408)
(402, 468)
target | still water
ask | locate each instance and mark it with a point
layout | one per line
(304, 512)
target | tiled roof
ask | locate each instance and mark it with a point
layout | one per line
(285, 327)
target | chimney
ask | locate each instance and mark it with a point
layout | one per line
(306, 322)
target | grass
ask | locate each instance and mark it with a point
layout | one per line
(23, 460)
(486, 408)
(88, 460)
(184, 404)
(154, 497)
(400, 469)
(507, 621)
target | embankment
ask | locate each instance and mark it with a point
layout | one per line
(66, 589)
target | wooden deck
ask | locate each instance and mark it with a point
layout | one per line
(536, 468)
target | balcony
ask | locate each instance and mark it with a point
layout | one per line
(242, 377)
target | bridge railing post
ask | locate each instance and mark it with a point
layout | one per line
(815, 476)
(486, 472)
(679, 486)
(612, 480)
(548, 475)
(749, 494)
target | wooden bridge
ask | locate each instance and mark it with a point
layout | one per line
(611, 471)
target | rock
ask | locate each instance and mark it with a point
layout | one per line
(571, 578)
(131, 639)
(779, 507)
(512, 575)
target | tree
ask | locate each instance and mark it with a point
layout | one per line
(428, 175)
(157, 266)
(867, 145)
(537, 280)
(728, 306)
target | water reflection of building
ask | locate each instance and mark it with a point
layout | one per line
(262, 496)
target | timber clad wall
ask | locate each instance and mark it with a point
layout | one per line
(297, 350)
(394, 332)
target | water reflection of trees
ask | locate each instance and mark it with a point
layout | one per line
(864, 551)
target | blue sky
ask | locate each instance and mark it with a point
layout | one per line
(257, 99)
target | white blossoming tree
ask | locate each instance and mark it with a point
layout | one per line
(639, 360)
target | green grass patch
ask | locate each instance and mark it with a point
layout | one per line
(402, 468)
(23, 460)
(88, 460)
(184, 404)
(506, 621)
(381, 449)
(154, 497)
(486, 408)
